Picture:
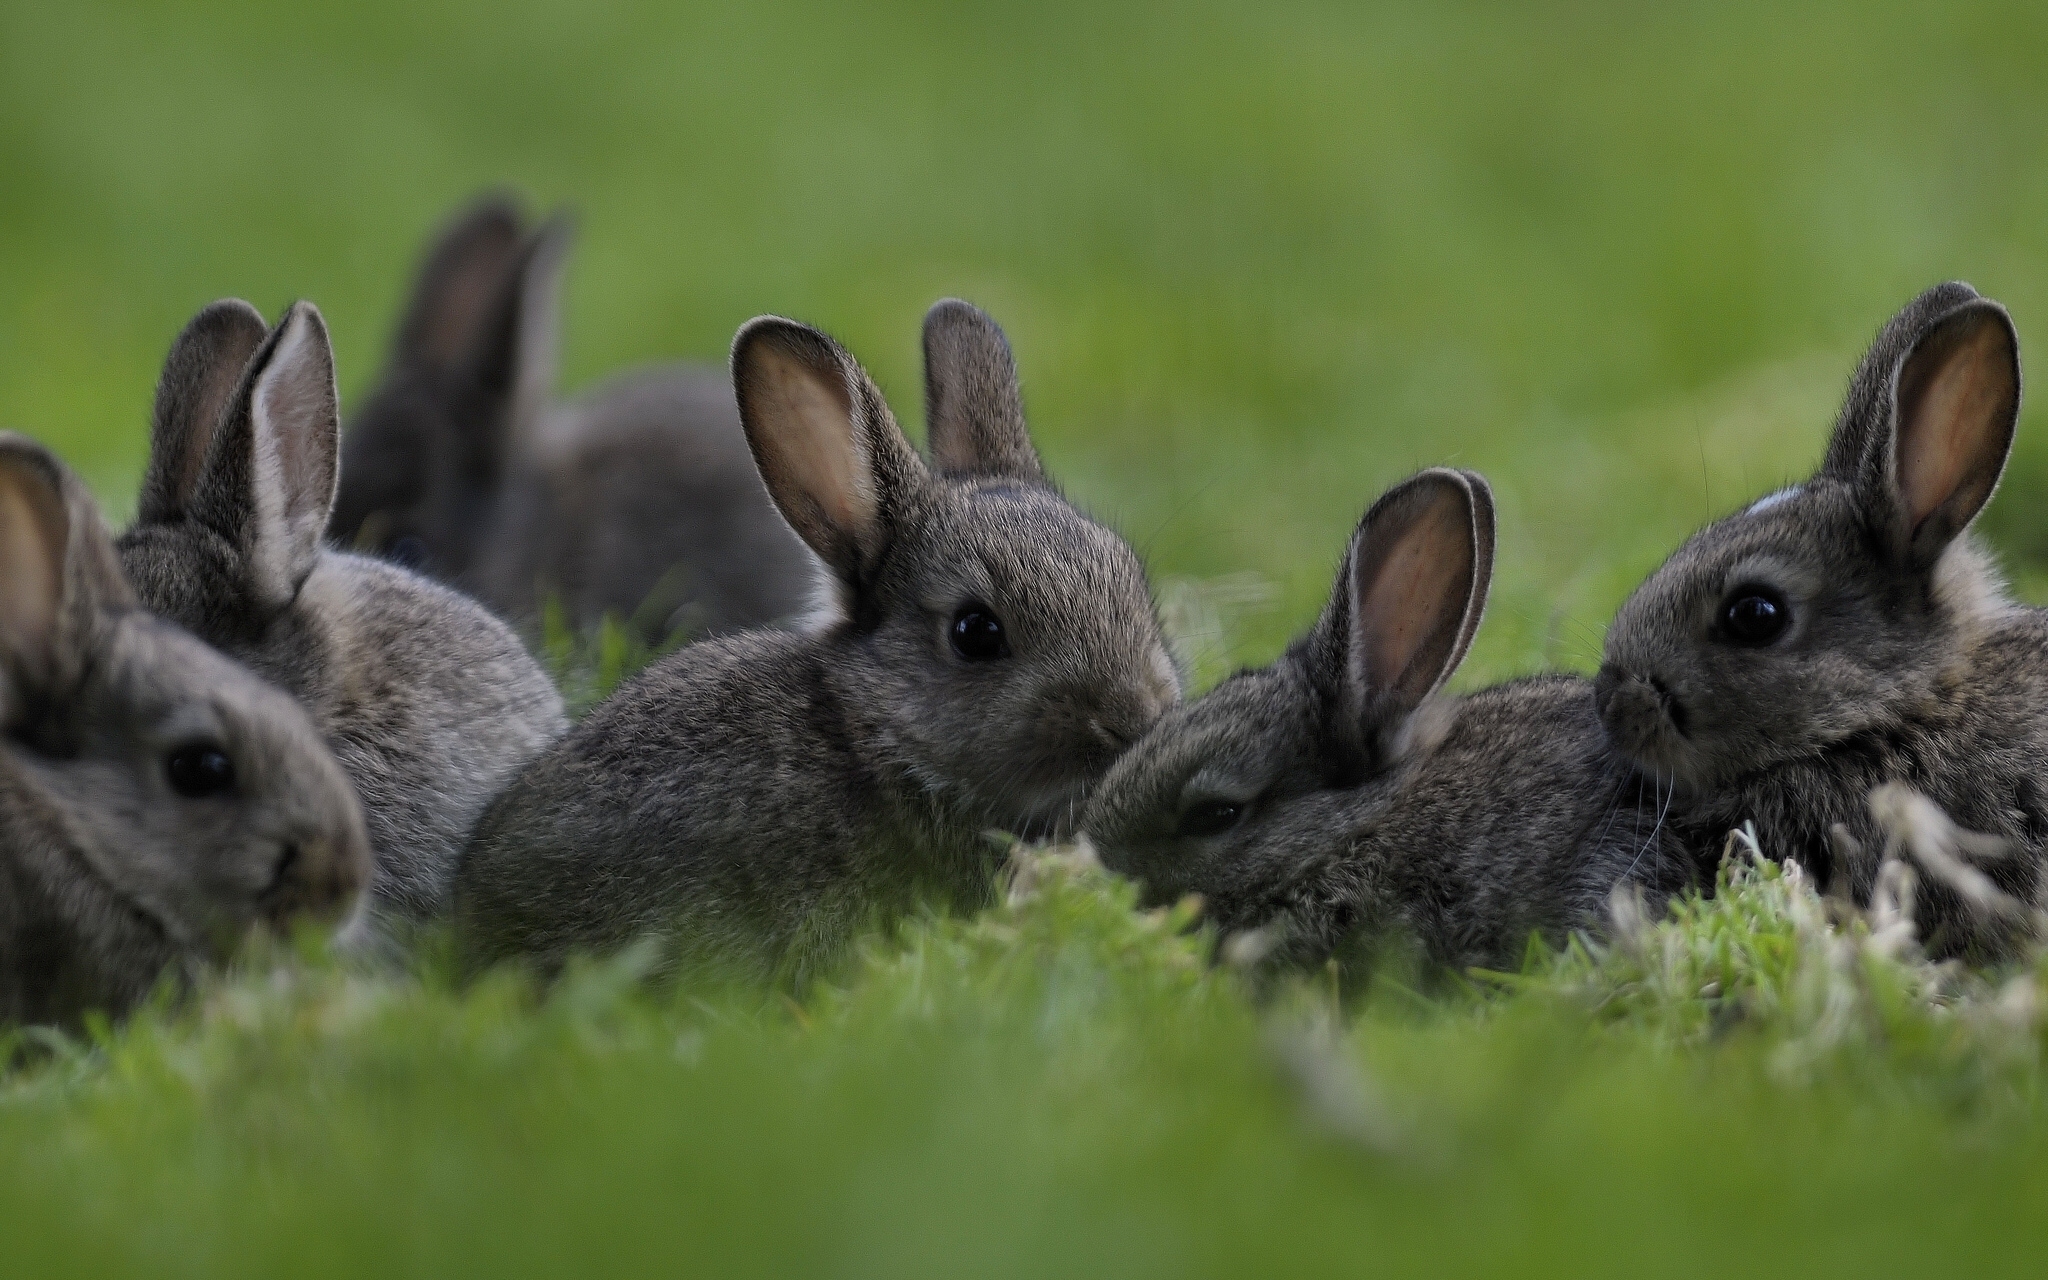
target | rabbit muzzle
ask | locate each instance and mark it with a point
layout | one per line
(1646, 721)
(318, 876)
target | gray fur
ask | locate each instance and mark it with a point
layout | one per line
(767, 792)
(1904, 661)
(1365, 803)
(430, 703)
(108, 876)
(638, 499)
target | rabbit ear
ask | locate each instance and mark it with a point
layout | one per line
(831, 455)
(459, 284)
(1929, 419)
(1410, 597)
(1957, 401)
(269, 481)
(512, 356)
(199, 379)
(974, 409)
(58, 571)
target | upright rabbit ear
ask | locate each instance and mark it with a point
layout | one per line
(1929, 419)
(199, 379)
(268, 485)
(974, 409)
(1956, 404)
(1409, 599)
(512, 354)
(831, 455)
(459, 284)
(58, 572)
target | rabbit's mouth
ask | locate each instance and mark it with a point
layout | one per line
(1647, 722)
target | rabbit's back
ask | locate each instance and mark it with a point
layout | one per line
(431, 704)
(640, 499)
(719, 796)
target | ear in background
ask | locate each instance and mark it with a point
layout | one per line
(462, 278)
(198, 383)
(974, 407)
(1958, 400)
(828, 450)
(512, 356)
(1417, 579)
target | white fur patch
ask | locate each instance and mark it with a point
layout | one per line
(1770, 500)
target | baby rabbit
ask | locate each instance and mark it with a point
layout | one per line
(430, 703)
(1848, 632)
(638, 499)
(156, 799)
(987, 652)
(1330, 797)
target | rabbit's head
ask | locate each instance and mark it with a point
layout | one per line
(1248, 794)
(241, 473)
(1001, 647)
(157, 799)
(1827, 609)
(471, 366)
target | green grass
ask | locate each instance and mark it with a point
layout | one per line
(1257, 262)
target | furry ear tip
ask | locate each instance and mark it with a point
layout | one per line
(790, 337)
(498, 210)
(32, 461)
(957, 313)
(229, 311)
(302, 320)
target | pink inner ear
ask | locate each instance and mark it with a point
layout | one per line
(1416, 594)
(32, 535)
(810, 450)
(1952, 436)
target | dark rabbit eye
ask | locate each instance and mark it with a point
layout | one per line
(1755, 615)
(199, 770)
(978, 635)
(1209, 818)
(406, 552)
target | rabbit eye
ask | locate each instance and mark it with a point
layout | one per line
(1755, 615)
(1209, 818)
(199, 770)
(978, 635)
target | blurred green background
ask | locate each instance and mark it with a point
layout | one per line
(1256, 260)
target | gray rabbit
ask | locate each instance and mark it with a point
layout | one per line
(1849, 632)
(429, 701)
(1332, 799)
(637, 499)
(157, 800)
(988, 651)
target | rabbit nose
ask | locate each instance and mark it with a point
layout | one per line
(315, 876)
(1634, 708)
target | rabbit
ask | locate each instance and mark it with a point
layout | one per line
(1333, 799)
(157, 800)
(638, 500)
(1849, 632)
(986, 653)
(429, 701)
